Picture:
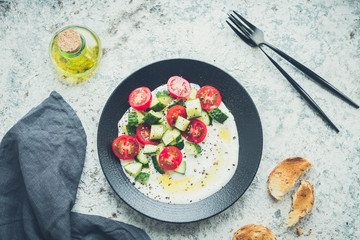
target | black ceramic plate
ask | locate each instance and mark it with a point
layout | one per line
(236, 99)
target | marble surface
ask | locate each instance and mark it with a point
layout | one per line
(324, 35)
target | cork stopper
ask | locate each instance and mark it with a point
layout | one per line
(69, 41)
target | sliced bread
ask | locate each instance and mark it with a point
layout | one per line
(253, 231)
(284, 175)
(303, 202)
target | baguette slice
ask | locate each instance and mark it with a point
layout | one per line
(303, 202)
(252, 231)
(284, 175)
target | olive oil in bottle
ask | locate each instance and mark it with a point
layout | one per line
(75, 52)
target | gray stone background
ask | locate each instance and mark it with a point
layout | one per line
(324, 35)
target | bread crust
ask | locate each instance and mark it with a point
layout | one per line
(303, 202)
(252, 231)
(284, 175)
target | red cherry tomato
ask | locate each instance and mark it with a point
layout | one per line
(178, 87)
(173, 113)
(209, 96)
(143, 134)
(140, 98)
(125, 147)
(195, 132)
(170, 158)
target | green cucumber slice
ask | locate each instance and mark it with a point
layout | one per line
(133, 168)
(176, 134)
(155, 160)
(156, 105)
(142, 158)
(152, 117)
(133, 119)
(128, 130)
(193, 108)
(218, 115)
(142, 177)
(156, 132)
(171, 135)
(181, 123)
(179, 144)
(164, 97)
(205, 118)
(180, 102)
(149, 149)
(140, 117)
(192, 148)
(181, 168)
(167, 137)
(160, 147)
(166, 124)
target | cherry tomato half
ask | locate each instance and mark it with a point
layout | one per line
(178, 87)
(209, 96)
(140, 98)
(125, 147)
(170, 158)
(173, 113)
(143, 134)
(195, 132)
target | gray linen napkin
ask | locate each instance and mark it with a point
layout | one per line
(41, 161)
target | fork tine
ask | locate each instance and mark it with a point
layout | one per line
(245, 21)
(246, 30)
(241, 35)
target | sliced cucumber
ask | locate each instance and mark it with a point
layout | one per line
(180, 102)
(205, 118)
(142, 158)
(160, 147)
(192, 94)
(192, 148)
(193, 108)
(131, 130)
(140, 117)
(163, 93)
(167, 137)
(128, 130)
(149, 149)
(218, 115)
(156, 132)
(179, 144)
(152, 117)
(177, 137)
(133, 168)
(166, 124)
(164, 97)
(181, 168)
(142, 177)
(156, 105)
(171, 135)
(181, 123)
(176, 134)
(155, 160)
(133, 119)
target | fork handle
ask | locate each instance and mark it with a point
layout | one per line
(302, 92)
(312, 75)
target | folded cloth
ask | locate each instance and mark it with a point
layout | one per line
(41, 161)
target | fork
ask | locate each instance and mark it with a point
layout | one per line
(254, 37)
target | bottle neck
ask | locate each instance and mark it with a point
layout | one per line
(72, 55)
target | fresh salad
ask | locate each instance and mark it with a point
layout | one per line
(162, 128)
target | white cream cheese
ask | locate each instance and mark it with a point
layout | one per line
(206, 173)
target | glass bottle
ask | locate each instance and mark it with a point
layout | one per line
(75, 52)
